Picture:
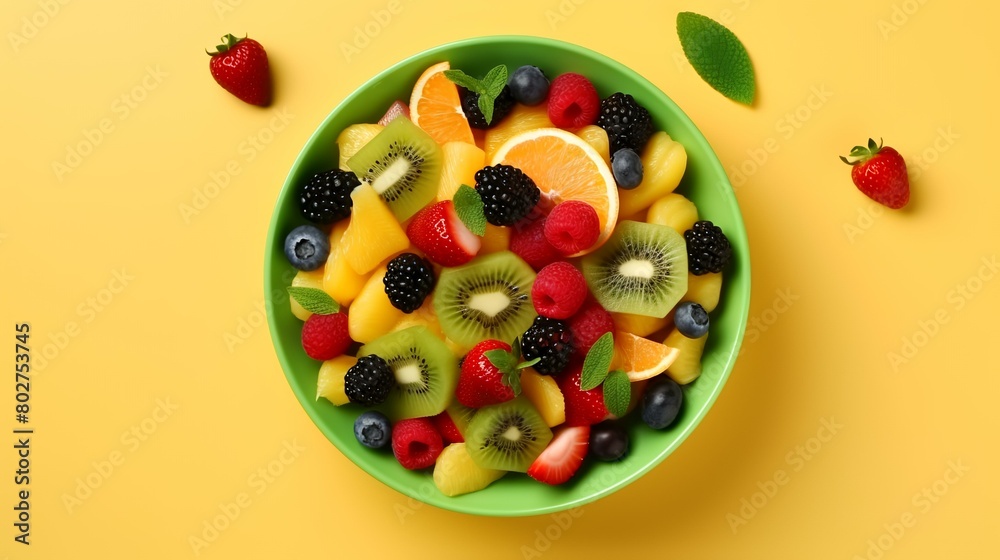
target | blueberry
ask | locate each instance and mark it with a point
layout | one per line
(691, 319)
(307, 247)
(627, 168)
(529, 85)
(373, 429)
(661, 402)
(608, 441)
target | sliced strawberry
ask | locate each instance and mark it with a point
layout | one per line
(441, 235)
(396, 109)
(446, 426)
(583, 408)
(563, 456)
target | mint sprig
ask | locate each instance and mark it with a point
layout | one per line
(314, 300)
(469, 207)
(617, 392)
(597, 362)
(717, 55)
(488, 88)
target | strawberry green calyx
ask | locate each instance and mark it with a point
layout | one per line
(861, 154)
(228, 41)
(510, 365)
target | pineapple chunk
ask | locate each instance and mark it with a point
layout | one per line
(330, 384)
(461, 161)
(456, 473)
(639, 325)
(705, 289)
(687, 367)
(663, 165)
(423, 316)
(303, 279)
(340, 280)
(373, 233)
(544, 393)
(372, 315)
(598, 139)
(673, 210)
(353, 138)
(497, 239)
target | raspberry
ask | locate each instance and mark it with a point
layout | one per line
(447, 428)
(326, 198)
(627, 123)
(572, 226)
(559, 290)
(508, 194)
(589, 324)
(369, 381)
(415, 443)
(325, 337)
(573, 101)
(708, 248)
(502, 106)
(409, 279)
(528, 242)
(549, 340)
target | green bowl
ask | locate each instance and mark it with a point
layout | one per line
(705, 182)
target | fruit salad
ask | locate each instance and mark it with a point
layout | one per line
(499, 271)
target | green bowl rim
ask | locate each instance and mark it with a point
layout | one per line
(713, 162)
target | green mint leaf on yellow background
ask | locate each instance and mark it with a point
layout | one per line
(617, 392)
(717, 55)
(469, 207)
(597, 362)
(314, 300)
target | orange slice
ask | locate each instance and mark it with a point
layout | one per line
(565, 167)
(641, 358)
(436, 108)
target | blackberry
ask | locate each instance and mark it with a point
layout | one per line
(326, 198)
(508, 194)
(369, 381)
(708, 249)
(502, 106)
(551, 341)
(409, 278)
(627, 123)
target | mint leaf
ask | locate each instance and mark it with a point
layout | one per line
(314, 300)
(462, 79)
(597, 362)
(510, 372)
(717, 55)
(469, 207)
(486, 106)
(617, 392)
(495, 80)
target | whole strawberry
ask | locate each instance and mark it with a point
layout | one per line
(240, 66)
(490, 374)
(880, 173)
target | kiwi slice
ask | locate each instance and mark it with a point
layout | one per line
(489, 298)
(642, 269)
(403, 164)
(461, 415)
(426, 372)
(508, 436)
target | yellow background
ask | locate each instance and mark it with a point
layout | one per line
(860, 283)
